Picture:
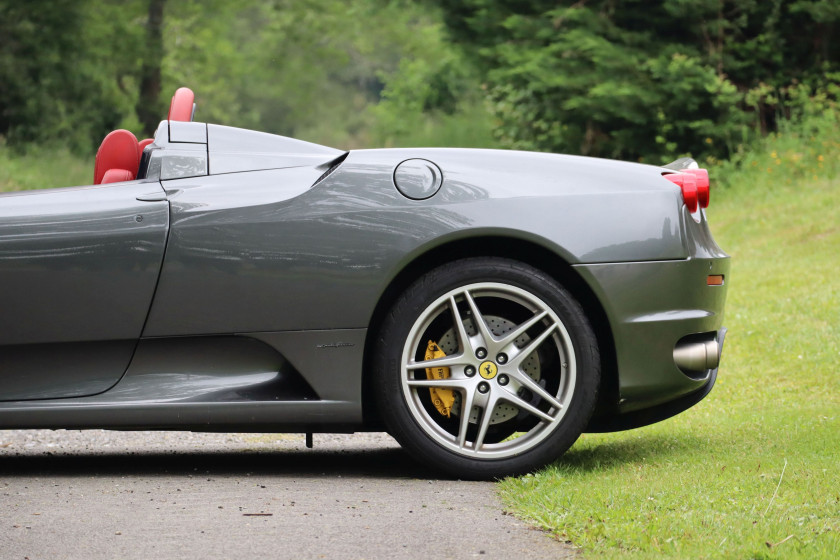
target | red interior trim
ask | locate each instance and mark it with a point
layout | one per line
(117, 151)
(117, 176)
(181, 107)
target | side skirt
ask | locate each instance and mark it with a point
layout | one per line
(261, 382)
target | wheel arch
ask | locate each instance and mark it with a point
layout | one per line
(525, 251)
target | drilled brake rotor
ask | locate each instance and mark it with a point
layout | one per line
(499, 326)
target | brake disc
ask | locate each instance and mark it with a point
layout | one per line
(499, 326)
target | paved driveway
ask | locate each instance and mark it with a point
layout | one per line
(98, 494)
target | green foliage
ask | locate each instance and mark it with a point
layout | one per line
(72, 71)
(432, 98)
(804, 149)
(42, 168)
(469, 126)
(305, 69)
(751, 471)
(60, 66)
(644, 80)
(315, 70)
(632, 80)
(47, 88)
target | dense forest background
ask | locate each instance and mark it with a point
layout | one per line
(629, 79)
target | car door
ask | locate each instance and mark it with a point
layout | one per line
(78, 270)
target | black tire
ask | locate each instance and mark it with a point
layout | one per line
(540, 386)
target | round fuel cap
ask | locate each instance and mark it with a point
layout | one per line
(418, 178)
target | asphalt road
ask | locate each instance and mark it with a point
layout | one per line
(97, 494)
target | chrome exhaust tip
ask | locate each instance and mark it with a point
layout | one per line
(695, 356)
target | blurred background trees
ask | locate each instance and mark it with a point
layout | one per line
(635, 79)
(632, 79)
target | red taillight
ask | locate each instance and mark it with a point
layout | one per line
(688, 183)
(702, 177)
(695, 187)
(689, 190)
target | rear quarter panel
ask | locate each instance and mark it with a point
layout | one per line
(262, 251)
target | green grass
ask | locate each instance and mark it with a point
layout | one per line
(753, 471)
(42, 168)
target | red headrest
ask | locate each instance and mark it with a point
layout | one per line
(117, 151)
(181, 107)
(117, 176)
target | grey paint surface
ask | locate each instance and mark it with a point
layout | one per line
(100, 495)
(648, 316)
(234, 150)
(79, 263)
(264, 243)
(257, 382)
(654, 304)
(78, 269)
(271, 253)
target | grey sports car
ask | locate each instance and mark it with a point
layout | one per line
(484, 307)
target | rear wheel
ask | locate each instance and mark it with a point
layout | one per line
(486, 367)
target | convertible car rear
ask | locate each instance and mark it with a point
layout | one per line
(484, 307)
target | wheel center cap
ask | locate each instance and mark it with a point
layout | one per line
(488, 370)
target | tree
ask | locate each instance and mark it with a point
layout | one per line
(64, 65)
(643, 80)
(149, 108)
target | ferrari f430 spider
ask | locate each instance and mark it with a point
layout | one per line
(485, 307)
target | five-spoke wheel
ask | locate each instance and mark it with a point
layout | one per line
(497, 368)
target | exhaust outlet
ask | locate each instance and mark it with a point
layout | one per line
(693, 356)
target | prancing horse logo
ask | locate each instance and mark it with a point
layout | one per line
(488, 370)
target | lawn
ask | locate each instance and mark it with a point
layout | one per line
(753, 471)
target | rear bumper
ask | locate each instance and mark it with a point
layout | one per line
(655, 309)
(644, 417)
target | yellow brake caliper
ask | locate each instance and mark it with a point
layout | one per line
(443, 399)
